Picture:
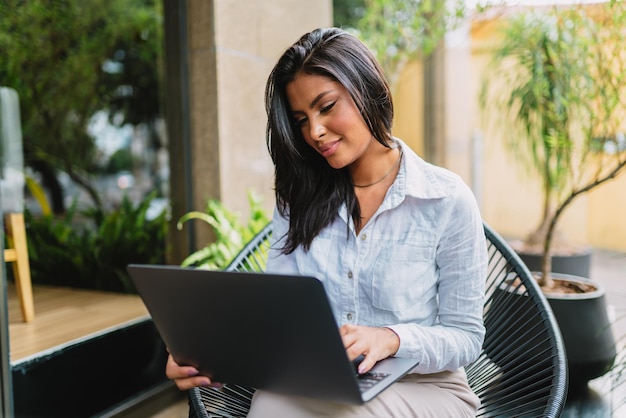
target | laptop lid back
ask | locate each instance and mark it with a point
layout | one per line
(266, 331)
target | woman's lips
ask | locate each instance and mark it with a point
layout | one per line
(329, 149)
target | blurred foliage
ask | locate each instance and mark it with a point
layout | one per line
(95, 254)
(398, 31)
(346, 13)
(68, 59)
(121, 160)
(231, 234)
(556, 92)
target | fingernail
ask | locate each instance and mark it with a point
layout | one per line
(192, 372)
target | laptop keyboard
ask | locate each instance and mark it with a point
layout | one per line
(369, 379)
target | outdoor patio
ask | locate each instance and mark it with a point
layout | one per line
(607, 397)
(66, 315)
(75, 330)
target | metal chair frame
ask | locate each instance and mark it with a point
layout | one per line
(521, 372)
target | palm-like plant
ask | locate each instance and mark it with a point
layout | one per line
(231, 234)
(558, 86)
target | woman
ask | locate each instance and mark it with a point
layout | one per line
(397, 242)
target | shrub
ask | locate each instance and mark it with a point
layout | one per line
(93, 253)
(231, 234)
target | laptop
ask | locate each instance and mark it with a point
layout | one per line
(267, 331)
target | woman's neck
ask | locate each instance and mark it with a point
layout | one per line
(379, 164)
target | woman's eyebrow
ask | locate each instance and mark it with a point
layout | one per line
(313, 102)
(318, 98)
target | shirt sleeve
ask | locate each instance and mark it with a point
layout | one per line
(461, 257)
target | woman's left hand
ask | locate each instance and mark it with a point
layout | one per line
(375, 343)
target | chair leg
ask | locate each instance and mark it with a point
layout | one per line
(16, 232)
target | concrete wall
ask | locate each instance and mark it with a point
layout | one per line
(250, 36)
(510, 198)
(408, 98)
(218, 56)
(232, 46)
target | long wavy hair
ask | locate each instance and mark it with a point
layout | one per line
(308, 190)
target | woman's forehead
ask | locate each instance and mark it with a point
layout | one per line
(306, 89)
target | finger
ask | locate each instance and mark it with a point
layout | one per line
(346, 329)
(174, 371)
(181, 372)
(354, 350)
(367, 364)
(187, 377)
(349, 335)
(192, 382)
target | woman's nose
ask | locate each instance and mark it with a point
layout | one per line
(317, 131)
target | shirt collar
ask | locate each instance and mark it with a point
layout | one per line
(416, 177)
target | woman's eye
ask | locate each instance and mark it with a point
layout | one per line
(327, 107)
(299, 122)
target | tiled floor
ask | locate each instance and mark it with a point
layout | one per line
(607, 395)
(177, 410)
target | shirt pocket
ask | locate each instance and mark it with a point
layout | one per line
(402, 275)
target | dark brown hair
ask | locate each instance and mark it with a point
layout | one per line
(308, 190)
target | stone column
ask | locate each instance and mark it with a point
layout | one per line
(218, 56)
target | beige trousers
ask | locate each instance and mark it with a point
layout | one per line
(439, 395)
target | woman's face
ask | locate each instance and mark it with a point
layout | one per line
(328, 119)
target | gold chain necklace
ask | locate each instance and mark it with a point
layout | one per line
(386, 174)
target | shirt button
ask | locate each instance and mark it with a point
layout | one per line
(349, 275)
(363, 237)
(349, 316)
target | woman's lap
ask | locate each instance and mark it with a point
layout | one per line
(437, 395)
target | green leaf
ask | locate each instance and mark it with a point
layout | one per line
(231, 234)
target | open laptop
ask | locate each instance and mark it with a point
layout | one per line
(271, 332)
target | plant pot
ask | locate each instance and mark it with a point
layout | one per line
(578, 264)
(586, 330)
(583, 321)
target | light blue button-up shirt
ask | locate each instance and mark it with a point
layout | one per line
(418, 266)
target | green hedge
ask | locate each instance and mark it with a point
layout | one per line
(93, 252)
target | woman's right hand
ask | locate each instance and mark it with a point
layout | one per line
(186, 377)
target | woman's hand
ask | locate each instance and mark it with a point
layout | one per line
(374, 343)
(186, 377)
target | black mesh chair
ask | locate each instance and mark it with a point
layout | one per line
(521, 372)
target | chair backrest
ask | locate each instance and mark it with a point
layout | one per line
(521, 372)
(254, 255)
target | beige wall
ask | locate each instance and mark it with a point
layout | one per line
(454, 108)
(510, 198)
(250, 36)
(232, 47)
(228, 68)
(408, 123)
(459, 151)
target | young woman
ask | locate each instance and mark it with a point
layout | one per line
(397, 242)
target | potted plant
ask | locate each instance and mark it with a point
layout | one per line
(231, 235)
(556, 86)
